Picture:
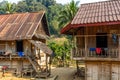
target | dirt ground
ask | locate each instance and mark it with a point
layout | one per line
(66, 73)
(63, 73)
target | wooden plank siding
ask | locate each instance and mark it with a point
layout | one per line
(92, 32)
(115, 71)
(97, 38)
(102, 70)
(92, 72)
(113, 49)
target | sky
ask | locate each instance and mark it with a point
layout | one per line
(63, 1)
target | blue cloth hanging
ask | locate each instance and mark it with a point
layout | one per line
(21, 54)
(114, 37)
(92, 49)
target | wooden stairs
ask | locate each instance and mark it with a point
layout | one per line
(37, 68)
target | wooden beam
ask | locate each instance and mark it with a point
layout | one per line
(94, 35)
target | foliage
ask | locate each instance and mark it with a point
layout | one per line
(57, 15)
(29, 6)
(52, 15)
(6, 7)
(67, 14)
(62, 52)
(47, 3)
(9, 8)
(52, 8)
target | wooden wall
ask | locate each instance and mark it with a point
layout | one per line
(41, 29)
(102, 70)
(91, 32)
(15, 63)
(81, 40)
(18, 64)
(8, 45)
(115, 71)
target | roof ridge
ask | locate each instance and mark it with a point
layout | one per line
(99, 2)
(24, 12)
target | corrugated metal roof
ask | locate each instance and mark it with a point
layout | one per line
(42, 46)
(106, 11)
(95, 14)
(19, 25)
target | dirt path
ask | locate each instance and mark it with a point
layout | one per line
(65, 73)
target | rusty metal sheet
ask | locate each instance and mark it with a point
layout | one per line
(42, 46)
(19, 25)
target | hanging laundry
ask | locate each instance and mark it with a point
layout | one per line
(92, 49)
(114, 37)
(98, 50)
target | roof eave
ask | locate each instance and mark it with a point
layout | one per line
(67, 28)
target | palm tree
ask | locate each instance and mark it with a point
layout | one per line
(68, 13)
(9, 8)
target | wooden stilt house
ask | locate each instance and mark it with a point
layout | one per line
(23, 42)
(96, 32)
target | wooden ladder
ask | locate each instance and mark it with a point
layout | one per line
(37, 68)
(34, 63)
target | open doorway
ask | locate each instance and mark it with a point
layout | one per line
(101, 40)
(19, 46)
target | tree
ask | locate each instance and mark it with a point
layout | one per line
(6, 7)
(62, 52)
(9, 8)
(52, 15)
(68, 13)
(47, 3)
(22, 6)
(30, 6)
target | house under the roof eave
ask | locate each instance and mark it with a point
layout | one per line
(95, 14)
(23, 40)
(96, 32)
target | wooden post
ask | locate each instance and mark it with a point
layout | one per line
(77, 65)
(85, 33)
(46, 63)
(39, 54)
(50, 61)
(85, 42)
(119, 48)
(19, 67)
(85, 71)
(73, 46)
(6, 46)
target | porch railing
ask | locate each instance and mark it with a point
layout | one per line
(108, 53)
(7, 54)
